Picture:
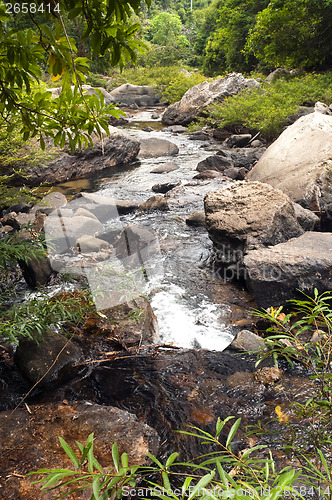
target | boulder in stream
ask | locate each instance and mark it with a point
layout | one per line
(125, 325)
(155, 147)
(196, 99)
(157, 202)
(215, 162)
(117, 149)
(247, 215)
(275, 274)
(142, 96)
(165, 168)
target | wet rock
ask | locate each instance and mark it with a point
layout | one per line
(6, 229)
(239, 141)
(117, 122)
(216, 162)
(133, 239)
(147, 129)
(275, 274)
(209, 174)
(88, 244)
(30, 442)
(103, 207)
(119, 148)
(164, 188)
(176, 129)
(10, 219)
(126, 325)
(35, 359)
(22, 208)
(299, 170)
(306, 218)
(245, 157)
(165, 169)
(155, 147)
(234, 173)
(199, 135)
(246, 340)
(196, 219)
(157, 202)
(247, 215)
(36, 272)
(268, 375)
(220, 134)
(196, 99)
(155, 116)
(257, 144)
(142, 96)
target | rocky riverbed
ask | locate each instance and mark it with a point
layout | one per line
(181, 220)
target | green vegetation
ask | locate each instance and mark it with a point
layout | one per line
(35, 317)
(171, 81)
(224, 473)
(242, 35)
(14, 248)
(45, 44)
(296, 33)
(266, 110)
(219, 474)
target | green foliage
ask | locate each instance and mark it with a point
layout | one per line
(304, 336)
(222, 37)
(14, 248)
(220, 474)
(180, 83)
(88, 473)
(169, 45)
(296, 33)
(72, 116)
(34, 317)
(267, 109)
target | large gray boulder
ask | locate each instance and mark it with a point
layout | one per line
(137, 95)
(248, 215)
(275, 274)
(155, 147)
(299, 163)
(113, 150)
(196, 99)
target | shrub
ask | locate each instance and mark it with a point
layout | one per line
(224, 473)
(267, 109)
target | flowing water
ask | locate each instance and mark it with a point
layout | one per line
(189, 313)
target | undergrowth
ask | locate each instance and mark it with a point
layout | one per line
(266, 109)
(304, 335)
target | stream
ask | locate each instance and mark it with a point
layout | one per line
(192, 382)
(190, 310)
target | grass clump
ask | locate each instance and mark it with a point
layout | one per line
(266, 109)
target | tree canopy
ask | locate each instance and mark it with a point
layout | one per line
(46, 46)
